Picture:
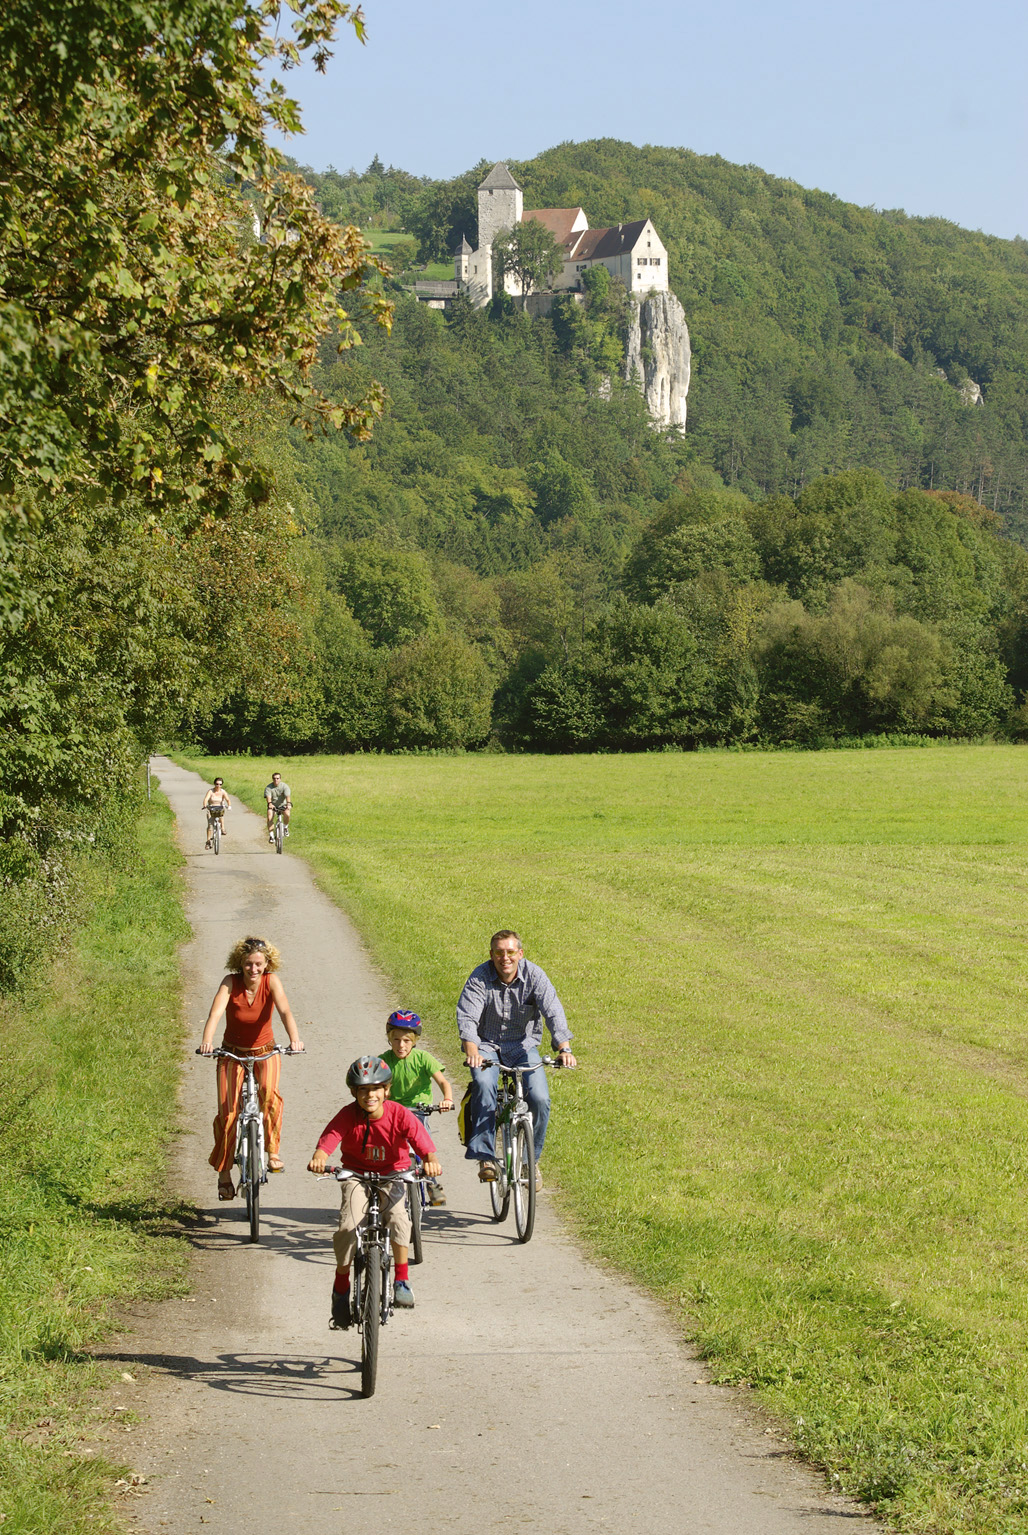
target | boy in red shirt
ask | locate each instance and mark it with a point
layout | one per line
(374, 1135)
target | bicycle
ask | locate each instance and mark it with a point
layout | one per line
(515, 1149)
(214, 815)
(418, 1202)
(278, 830)
(250, 1154)
(371, 1294)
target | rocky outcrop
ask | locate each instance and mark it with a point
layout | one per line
(659, 357)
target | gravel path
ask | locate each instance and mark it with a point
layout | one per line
(528, 1389)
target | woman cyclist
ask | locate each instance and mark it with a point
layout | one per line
(216, 802)
(248, 996)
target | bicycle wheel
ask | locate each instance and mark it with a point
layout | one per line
(278, 834)
(253, 1179)
(523, 1179)
(414, 1206)
(371, 1317)
(216, 835)
(499, 1192)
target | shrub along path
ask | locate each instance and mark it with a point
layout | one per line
(528, 1389)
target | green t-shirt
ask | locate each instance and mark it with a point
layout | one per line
(412, 1077)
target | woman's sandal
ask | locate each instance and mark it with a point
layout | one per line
(226, 1189)
(276, 1165)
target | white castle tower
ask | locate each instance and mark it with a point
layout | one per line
(500, 206)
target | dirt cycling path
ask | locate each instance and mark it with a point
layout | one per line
(527, 1390)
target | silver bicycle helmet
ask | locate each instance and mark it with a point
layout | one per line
(368, 1071)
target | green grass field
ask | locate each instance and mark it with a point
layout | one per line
(89, 1069)
(797, 983)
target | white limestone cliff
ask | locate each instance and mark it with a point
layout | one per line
(659, 356)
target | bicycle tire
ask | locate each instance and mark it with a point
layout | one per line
(279, 835)
(371, 1319)
(414, 1206)
(253, 1179)
(216, 835)
(499, 1192)
(523, 1179)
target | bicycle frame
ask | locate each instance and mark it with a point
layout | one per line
(251, 1156)
(372, 1231)
(515, 1148)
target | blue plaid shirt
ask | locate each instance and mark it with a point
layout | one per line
(492, 1013)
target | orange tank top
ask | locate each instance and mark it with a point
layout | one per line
(248, 1024)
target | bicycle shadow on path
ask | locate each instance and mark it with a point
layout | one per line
(306, 1234)
(300, 1377)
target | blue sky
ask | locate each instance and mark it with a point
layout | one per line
(887, 103)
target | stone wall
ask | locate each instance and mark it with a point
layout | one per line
(659, 356)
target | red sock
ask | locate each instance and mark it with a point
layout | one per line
(402, 1270)
(342, 1283)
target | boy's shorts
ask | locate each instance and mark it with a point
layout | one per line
(351, 1213)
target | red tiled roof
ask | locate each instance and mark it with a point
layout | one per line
(559, 221)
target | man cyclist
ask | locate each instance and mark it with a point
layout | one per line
(500, 1019)
(216, 802)
(279, 798)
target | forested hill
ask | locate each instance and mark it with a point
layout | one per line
(826, 336)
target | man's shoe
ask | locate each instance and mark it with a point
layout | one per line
(488, 1172)
(271, 837)
(403, 1295)
(436, 1195)
(340, 1308)
(538, 1181)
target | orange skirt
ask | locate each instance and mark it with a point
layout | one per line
(230, 1080)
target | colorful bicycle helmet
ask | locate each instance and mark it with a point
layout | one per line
(368, 1071)
(404, 1020)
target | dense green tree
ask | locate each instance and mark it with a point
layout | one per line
(444, 213)
(136, 301)
(693, 534)
(351, 714)
(155, 351)
(853, 669)
(529, 254)
(389, 591)
(638, 682)
(438, 694)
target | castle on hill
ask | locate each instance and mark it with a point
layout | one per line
(658, 356)
(634, 253)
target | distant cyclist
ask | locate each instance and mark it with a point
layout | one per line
(216, 802)
(279, 798)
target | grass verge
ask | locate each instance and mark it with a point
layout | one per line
(797, 986)
(87, 1095)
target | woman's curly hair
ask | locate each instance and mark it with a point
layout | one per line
(246, 946)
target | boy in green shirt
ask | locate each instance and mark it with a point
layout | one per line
(414, 1071)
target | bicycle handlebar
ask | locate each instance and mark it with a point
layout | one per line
(547, 1060)
(342, 1174)
(247, 1059)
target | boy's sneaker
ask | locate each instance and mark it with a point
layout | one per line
(403, 1295)
(341, 1308)
(436, 1193)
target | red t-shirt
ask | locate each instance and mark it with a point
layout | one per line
(376, 1145)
